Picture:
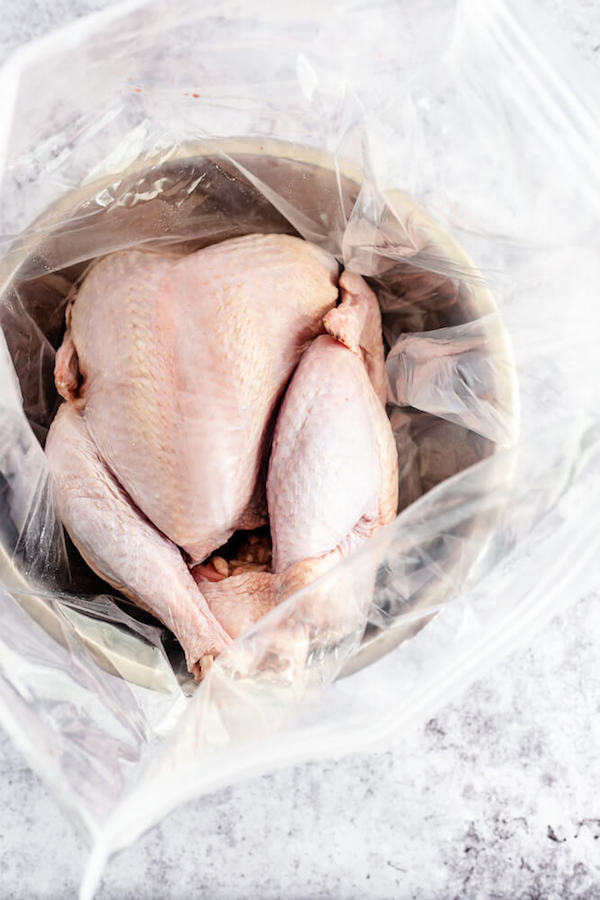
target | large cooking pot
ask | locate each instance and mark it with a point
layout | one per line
(200, 195)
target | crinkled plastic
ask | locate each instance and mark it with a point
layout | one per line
(446, 151)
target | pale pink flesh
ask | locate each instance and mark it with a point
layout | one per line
(182, 364)
(333, 469)
(240, 600)
(122, 546)
(333, 473)
(172, 368)
(356, 322)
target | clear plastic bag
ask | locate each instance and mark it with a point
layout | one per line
(440, 152)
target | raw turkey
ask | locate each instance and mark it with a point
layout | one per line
(174, 369)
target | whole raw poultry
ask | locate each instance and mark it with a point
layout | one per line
(175, 434)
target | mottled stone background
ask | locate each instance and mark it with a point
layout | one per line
(497, 797)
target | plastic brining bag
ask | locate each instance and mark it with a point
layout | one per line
(449, 158)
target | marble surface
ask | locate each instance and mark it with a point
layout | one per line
(497, 797)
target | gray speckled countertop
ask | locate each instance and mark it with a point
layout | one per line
(498, 796)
